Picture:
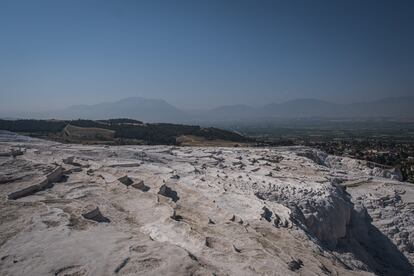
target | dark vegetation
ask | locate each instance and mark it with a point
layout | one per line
(127, 131)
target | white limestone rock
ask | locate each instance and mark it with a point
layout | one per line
(231, 211)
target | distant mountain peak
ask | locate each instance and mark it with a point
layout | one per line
(139, 108)
(158, 110)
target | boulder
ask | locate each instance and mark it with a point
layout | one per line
(93, 213)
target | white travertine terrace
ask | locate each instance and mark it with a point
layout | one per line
(198, 211)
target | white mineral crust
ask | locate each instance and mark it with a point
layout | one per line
(198, 211)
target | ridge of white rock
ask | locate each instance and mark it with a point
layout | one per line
(151, 210)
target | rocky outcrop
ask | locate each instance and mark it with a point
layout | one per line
(393, 173)
(93, 213)
(326, 215)
(349, 164)
(44, 183)
(168, 192)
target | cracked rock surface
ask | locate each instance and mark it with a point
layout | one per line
(198, 211)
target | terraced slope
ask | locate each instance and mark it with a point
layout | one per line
(163, 210)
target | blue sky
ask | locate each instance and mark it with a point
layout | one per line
(200, 54)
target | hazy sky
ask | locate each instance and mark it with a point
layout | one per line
(199, 54)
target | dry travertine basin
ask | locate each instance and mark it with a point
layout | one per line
(161, 210)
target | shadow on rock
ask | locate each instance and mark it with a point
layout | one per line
(374, 249)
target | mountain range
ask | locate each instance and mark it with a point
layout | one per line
(155, 110)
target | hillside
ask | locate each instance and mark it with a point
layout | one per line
(116, 131)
